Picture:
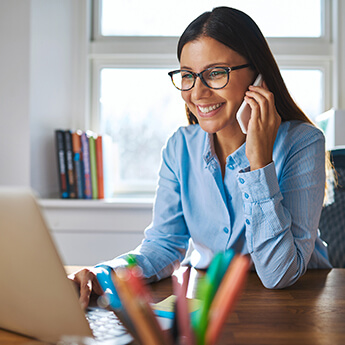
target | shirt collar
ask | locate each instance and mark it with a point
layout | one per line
(209, 151)
(237, 158)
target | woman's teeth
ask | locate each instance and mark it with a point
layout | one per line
(210, 108)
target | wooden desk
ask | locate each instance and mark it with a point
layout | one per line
(310, 312)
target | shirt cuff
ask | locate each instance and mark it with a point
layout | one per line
(258, 185)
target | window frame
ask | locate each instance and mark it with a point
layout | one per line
(157, 51)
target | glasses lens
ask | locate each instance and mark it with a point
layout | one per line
(216, 77)
(183, 80)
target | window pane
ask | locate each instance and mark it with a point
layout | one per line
(284, 18)
(140, 120)
(305, 87)
(140, 108)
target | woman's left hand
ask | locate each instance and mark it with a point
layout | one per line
(262, 127)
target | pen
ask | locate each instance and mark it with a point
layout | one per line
(207, 288)
(135, 298)
(105, 280)
(226, 296)
(185, 333)
(219, 266)
(140, 289)
(131, 260)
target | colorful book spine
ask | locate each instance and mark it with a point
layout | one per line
(99, 159)
(61, 161)
(78, 164)
(82, 164)
(69, 164)
(108, 166)
(86, 165)
(93, 163)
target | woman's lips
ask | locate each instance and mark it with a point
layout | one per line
(208, 110)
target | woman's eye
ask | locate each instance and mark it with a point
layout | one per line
(187, 76)
(217, 74)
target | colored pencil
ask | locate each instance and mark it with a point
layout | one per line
(185, 332)
(226, 297)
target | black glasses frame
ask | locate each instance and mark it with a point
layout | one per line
(200, 75)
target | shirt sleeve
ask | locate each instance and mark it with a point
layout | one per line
(282, 216)
(166, 238)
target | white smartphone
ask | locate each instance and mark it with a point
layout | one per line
(244, 112)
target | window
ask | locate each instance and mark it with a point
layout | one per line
(139, 18)
(139, 121)
(133, 100)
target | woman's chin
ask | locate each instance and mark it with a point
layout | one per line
(208, 127)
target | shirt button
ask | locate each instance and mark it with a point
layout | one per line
(241, 180)
(246, 195)
(231, 167)
(247, 221)
(226, 230)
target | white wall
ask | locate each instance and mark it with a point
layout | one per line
(15, 92)
(87, 231)
(56, 62)
(42, 64)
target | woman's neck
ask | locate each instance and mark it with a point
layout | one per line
(225, 145)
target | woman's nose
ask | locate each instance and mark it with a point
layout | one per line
(200, 90)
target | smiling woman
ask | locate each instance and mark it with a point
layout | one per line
(203, 100)
(258, 193)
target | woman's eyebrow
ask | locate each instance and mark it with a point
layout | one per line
(207, 66)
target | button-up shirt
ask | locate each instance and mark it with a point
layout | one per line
(271, 213)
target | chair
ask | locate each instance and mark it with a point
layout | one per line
(332, 221)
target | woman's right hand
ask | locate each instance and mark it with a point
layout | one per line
(87, 282)
(262, 127)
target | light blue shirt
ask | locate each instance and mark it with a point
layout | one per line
(270, 213)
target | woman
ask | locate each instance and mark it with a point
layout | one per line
(260, 193)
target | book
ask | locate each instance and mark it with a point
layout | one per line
(108, 155)
(86, 166)
(61, 162)
(82, 162)
(93, 163)
(78, 164)
(69, 163)
(99, 161)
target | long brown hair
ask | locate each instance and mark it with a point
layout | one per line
(240, 33)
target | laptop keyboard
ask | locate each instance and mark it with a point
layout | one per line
(106, 326)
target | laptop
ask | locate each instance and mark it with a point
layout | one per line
(36, 297)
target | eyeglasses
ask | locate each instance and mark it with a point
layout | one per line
(213, 77)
